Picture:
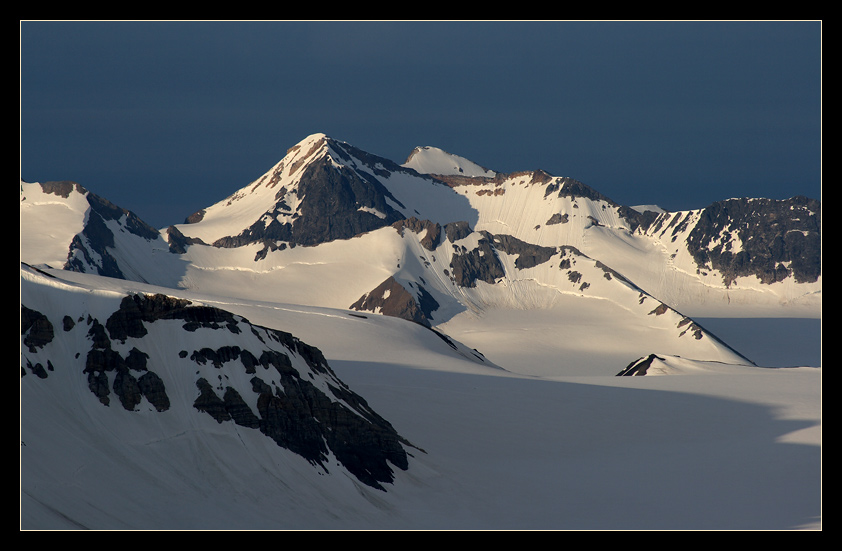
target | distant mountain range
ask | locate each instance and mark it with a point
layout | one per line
(738, 251)
(148, 319)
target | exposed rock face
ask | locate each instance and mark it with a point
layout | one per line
(152, 388)
(610, 273)
(390, 298)
(132, 223)
(457, 230)
(557, 218)
(35, 328)
(773, 234)
(195, 217)
(361, 440)
(433, 231)
(36, 332)
(62, 188)
(529, 255)
(454, 180)
(472, 260)
(766, 238)
(478, 264)
(291, 410)
(569, 187)
(341, 194)
(639, 367)
(533, 177)
(179, 242)
(91, 248)
(103, 364)
(137, 310)
(769, 239)
(334, 201)
(637, 219)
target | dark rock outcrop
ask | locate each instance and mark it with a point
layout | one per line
(208, 402)
(431, 238)
(152, 388)
(135, 310)
(636, 219)
(478, 264)
(337, 202)
(36, 368)
(36, 328)
(316, 421)
(639, 367)
(569, 187)
(390, 298)
(529, 255)
(454, 231)
(90, 250)
(179, 242)
(557, 218)
(769, 239)
(195, 217)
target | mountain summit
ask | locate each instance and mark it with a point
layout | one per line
(327, 194)
(432, 160)
(322, 190)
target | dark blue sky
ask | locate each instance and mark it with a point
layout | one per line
(164, 118)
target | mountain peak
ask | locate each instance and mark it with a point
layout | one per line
(432, 160)
(323, 189)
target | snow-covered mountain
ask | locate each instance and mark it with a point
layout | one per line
(233, 371)
(321, 191)
(736, 254)
(63, 225)
(261, 328)
(333, 226)
(335, 201)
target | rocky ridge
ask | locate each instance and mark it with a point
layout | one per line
(92, 250)
(292, 396)
(769, 239)
(325, 190)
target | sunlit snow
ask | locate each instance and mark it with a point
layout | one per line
(521, 424)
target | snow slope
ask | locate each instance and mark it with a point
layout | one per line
(432, 160)
(63, 225)
(552, 211)
(714, 447)
(59, 217)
